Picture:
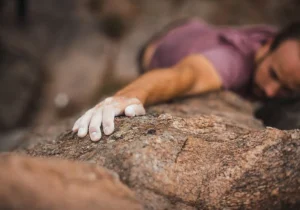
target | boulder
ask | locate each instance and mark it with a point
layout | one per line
(42, 184)
(198, 153)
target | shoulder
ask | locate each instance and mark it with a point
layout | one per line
(147, 50)
(234, 68)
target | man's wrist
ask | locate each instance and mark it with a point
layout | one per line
(139, 94)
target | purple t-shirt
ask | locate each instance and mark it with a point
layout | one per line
(231, 50)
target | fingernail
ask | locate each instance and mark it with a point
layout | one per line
(95, 136)
(82, 132)
(107, 130)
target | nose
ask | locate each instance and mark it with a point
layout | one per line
(272, 89)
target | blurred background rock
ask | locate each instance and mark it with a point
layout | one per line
(59, 57)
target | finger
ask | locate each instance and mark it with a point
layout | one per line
(94, 128)
(84, 123)
(108, 119)
(134, 110)
(76, 125)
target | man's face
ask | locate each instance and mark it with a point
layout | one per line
(278, 74)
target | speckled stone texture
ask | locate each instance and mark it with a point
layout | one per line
(198, 153)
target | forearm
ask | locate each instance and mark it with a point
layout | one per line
(193, 75)
(160, 85)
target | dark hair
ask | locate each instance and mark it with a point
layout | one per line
(156, 36)
(292, 31)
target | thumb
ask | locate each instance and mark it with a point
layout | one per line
(135, 110)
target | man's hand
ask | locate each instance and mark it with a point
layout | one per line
(104, 114)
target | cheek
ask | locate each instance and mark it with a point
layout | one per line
(261, 76)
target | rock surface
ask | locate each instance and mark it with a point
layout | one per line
(42, 184)
(199, 153)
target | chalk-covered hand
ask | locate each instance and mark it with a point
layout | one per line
(103, 114)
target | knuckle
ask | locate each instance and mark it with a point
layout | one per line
(107, 124)
(98, 110)
(92, 129)
(110, 107)
(87, 112)
(107, 108)
(99, 105)
(108, 100)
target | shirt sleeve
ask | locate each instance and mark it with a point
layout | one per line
(231, 66)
